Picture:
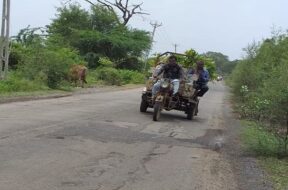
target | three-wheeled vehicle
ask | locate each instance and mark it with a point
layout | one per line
(186, 100)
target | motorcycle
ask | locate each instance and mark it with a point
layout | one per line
(186, 100)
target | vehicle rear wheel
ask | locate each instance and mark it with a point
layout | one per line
(191, 112)
(157, 111)
(144, 105)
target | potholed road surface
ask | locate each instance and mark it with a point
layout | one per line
(100, 141)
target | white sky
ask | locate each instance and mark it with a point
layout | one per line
(224, 26)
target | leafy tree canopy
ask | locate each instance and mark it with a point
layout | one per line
(98, 31)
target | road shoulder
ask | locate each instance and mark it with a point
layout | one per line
(246, 168)
(40, 95)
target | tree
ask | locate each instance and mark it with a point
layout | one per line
(263, 77)
(27, 36)
(219, 59)
(103, 20)
(69, 19)
(98, 33)
(127, 10)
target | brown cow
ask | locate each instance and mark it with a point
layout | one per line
(78, 74)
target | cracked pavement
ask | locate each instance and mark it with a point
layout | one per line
(100, 141)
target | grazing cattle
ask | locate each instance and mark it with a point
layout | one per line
(78, 74)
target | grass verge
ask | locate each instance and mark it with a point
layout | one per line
(277, 170)
(264, 145)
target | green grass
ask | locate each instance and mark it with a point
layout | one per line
(277, 170)
(258, 141)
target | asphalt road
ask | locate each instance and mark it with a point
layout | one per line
(100, 141)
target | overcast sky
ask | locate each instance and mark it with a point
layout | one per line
(224, 26)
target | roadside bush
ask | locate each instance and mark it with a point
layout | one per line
(260, 84)
(109, 75)
(48, 64)
(92, 77)
(132, 77)
(14, 83)
(93, 60)
(131, 63)
(259, 141)
(105, 62)
(112, 76)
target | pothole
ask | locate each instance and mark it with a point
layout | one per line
(213, 139)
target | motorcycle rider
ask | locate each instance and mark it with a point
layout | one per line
(201, 83)
(172, 71)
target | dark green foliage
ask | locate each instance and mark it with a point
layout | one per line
(49, 65)
(15, 56)
(133, 77)
(93, 60)
(110, 75)
(98, 31)
(131, 63)
(68, 20)
(258, 140)
(103, 20)
(28, 36)
(223, 65)
(228, 67)
(116, 45)
(15, 83)
(42, 57)
(260, 84)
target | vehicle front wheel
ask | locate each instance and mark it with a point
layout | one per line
(157, 111)
(191, 112)
(144, 105)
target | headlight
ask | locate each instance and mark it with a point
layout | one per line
(164, 84)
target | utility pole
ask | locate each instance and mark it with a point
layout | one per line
(175, 47)
(155, 25)
(4, 39)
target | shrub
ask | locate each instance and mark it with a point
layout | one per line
(133, 77)
(260, 83)
(258, 140)
(105, 62)
(131, 63)
(48, 64)
(92, 59)
(14, 83)
(109, 75)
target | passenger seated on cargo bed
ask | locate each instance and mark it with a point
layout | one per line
(158, 68)
(201, 83)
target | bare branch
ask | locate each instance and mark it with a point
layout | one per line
(106, 4)
(90, 2)
(123, 6)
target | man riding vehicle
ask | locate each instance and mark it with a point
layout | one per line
(171, 71)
